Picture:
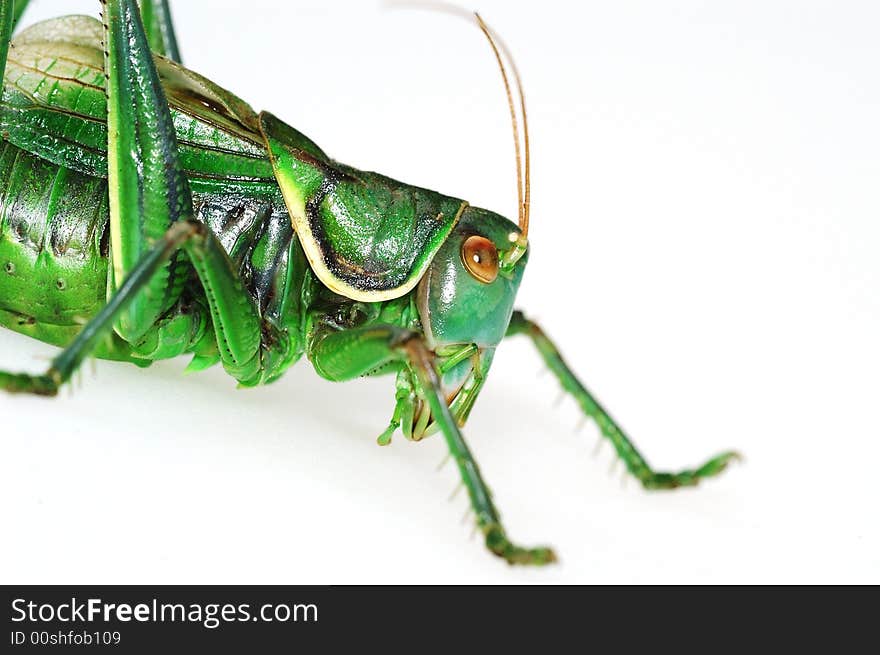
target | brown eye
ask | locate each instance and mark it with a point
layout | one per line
(480, 257)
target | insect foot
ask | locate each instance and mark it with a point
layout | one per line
(655, 481)
(41, 385)
(499, 544)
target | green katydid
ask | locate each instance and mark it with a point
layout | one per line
(177, 220)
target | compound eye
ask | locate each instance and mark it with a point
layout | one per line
(480, 257)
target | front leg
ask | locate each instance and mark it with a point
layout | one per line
(631, 457)
(346, 354)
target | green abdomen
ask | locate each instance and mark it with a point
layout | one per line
(53, 246)
(54, 212)
(54, 243)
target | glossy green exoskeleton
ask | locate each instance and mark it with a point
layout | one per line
(146, 213)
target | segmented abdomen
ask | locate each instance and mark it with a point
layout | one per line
(53, 243)
(53, 189)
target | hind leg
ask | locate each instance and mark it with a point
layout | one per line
(150, 223)
(159, 28)
(237, 326)
(64, 365)
(147, 189)
(18, 8)
(9, 15)
(631, 457)
(149, 194)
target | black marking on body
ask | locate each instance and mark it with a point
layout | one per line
(74, 231)
(369, 278)
(51, 210)
(256, 233)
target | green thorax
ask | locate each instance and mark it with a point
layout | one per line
(366, 237)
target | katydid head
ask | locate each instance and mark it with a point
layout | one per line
(467, 294)
(465, 301)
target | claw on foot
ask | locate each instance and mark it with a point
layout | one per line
(500, 545)
(689, 478)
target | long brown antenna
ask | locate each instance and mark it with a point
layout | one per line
(527, 202)
(523, 184)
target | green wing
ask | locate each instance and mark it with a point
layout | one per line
(367, 237)
(54, 106)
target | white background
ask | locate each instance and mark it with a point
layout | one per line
(706, 250)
